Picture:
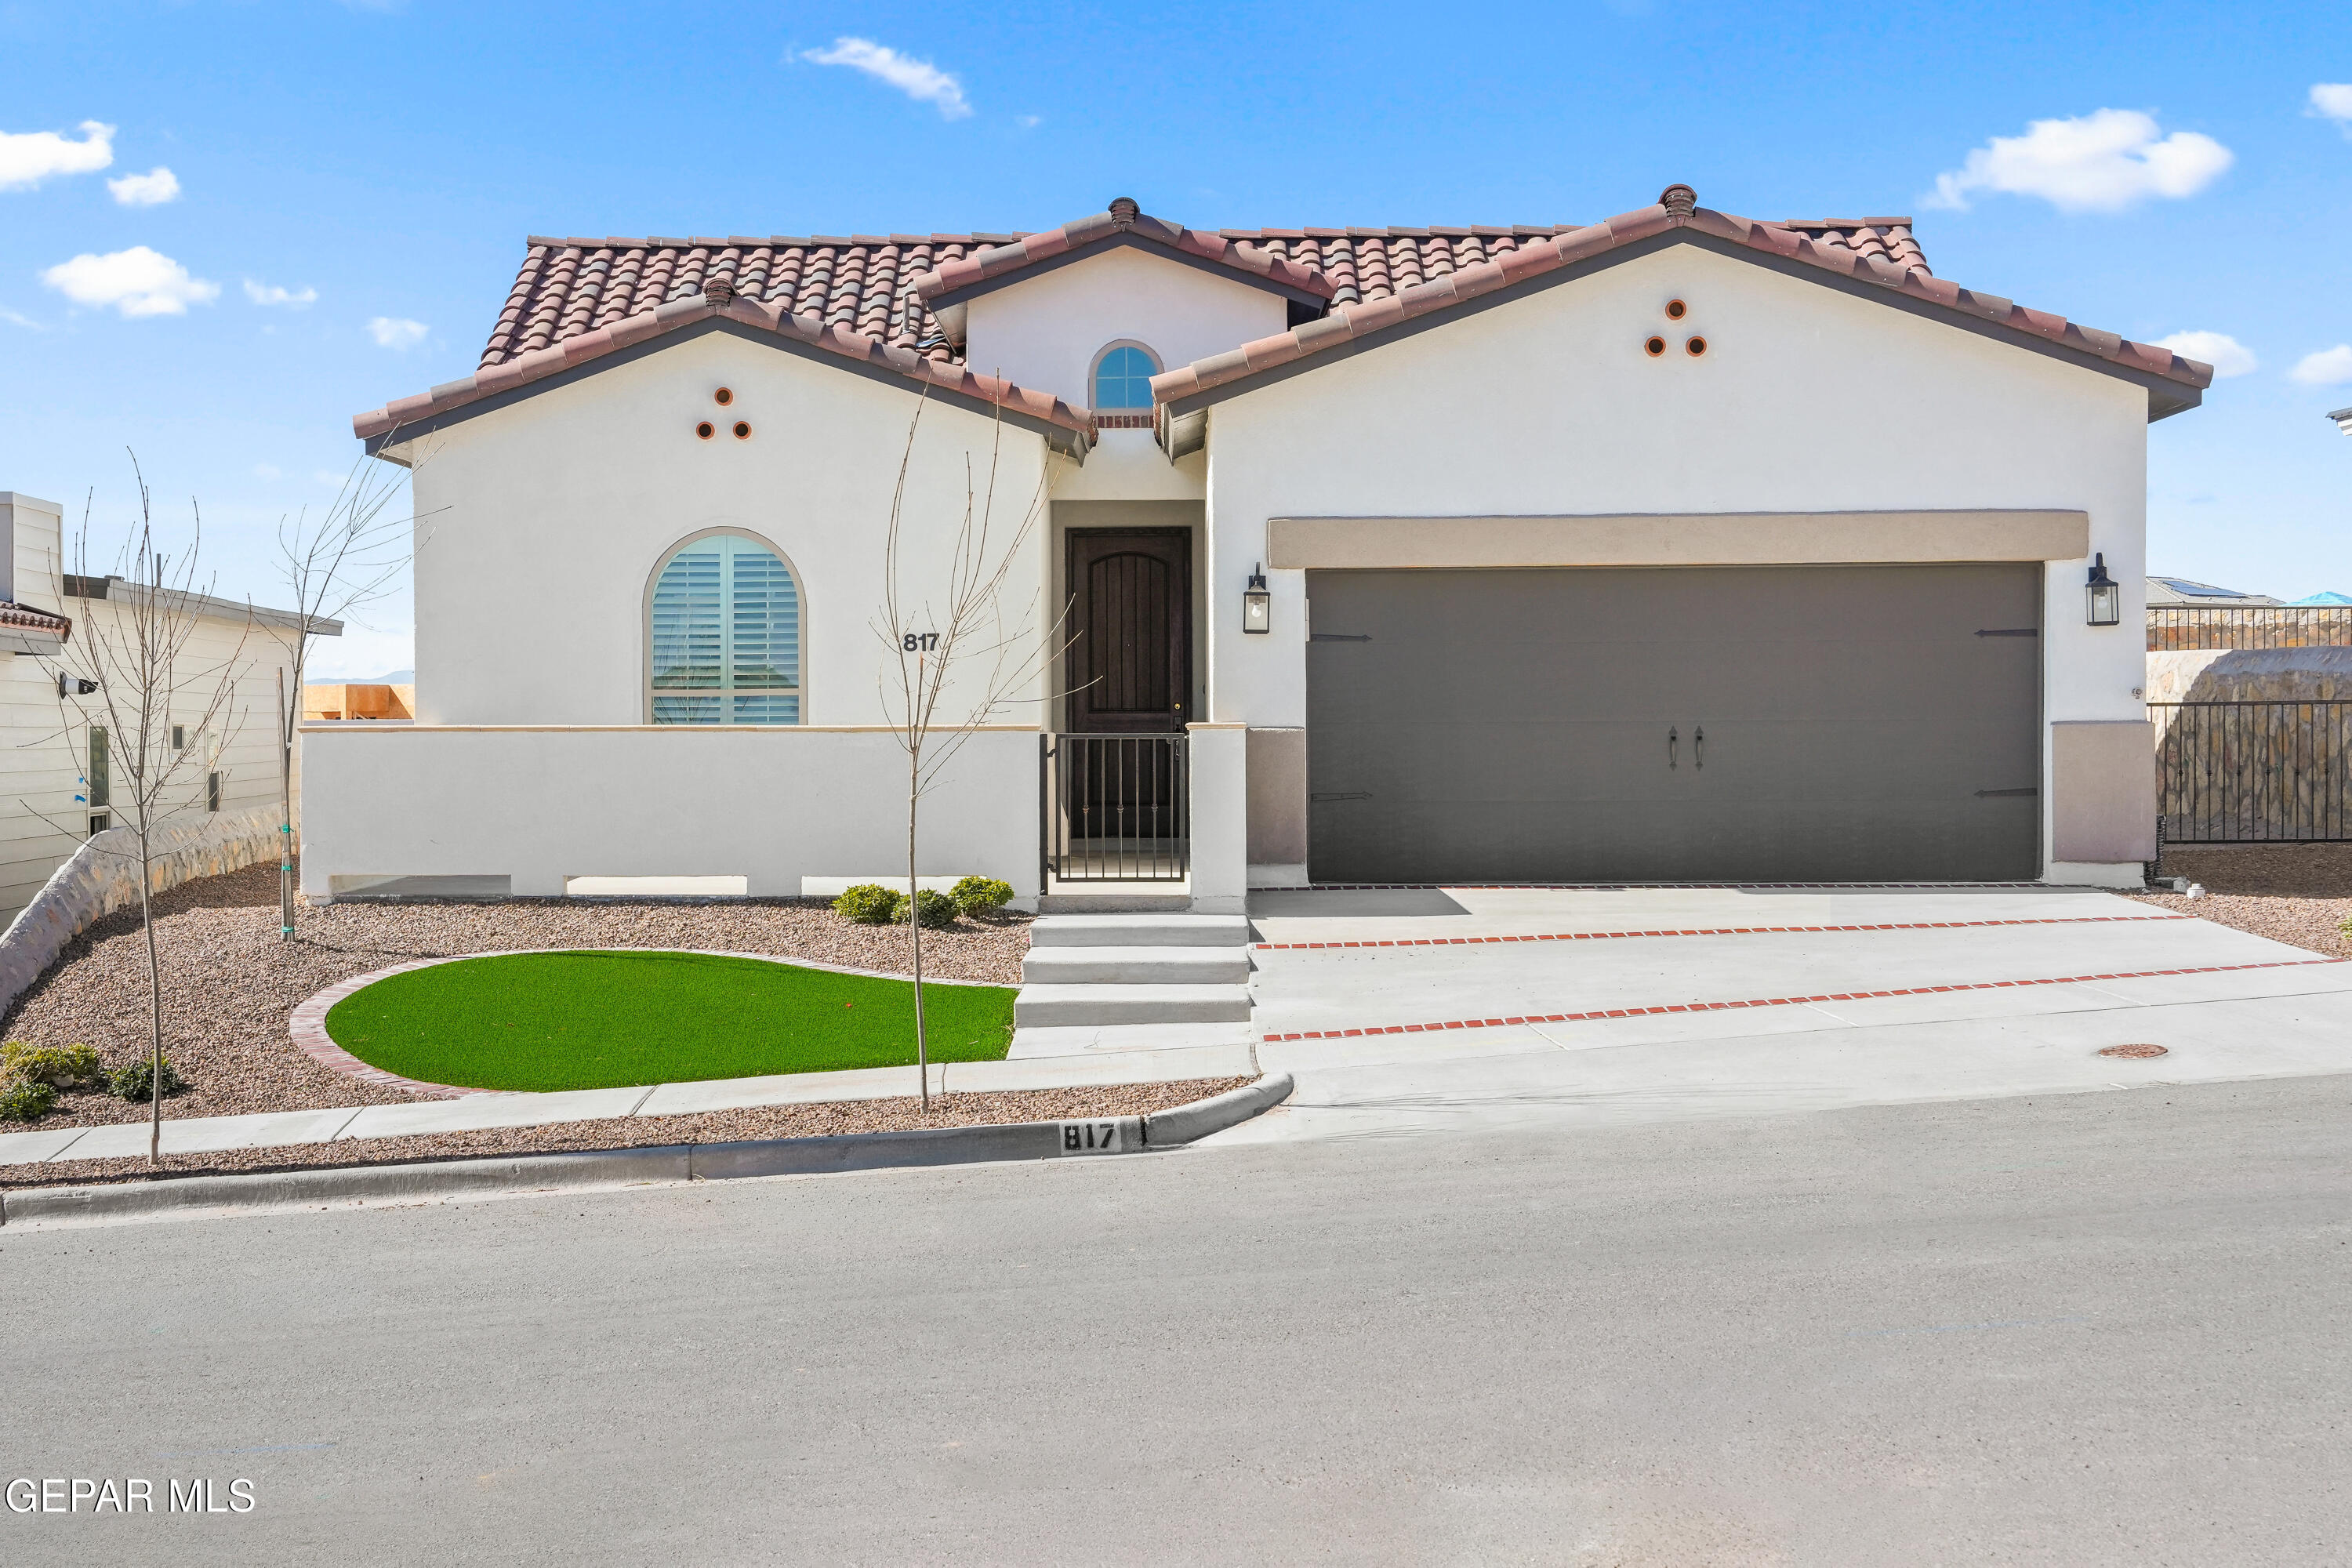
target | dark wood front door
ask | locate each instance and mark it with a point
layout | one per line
(1129, 667)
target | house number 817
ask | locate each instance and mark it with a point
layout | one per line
(920, 642)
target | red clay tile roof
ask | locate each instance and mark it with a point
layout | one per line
(517, 358)
(31, 619)
(1873, 250)
(868, 298)
(1122, 223)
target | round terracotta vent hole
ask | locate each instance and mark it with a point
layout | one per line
(1677, 309)
(1655, 347)
(2136, 1053)
(742, 430)
(1695, 347)
(706, 430)
(723, 397)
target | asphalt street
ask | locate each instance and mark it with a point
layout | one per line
(2082, 1328)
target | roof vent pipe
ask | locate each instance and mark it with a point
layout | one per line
(1679, 201)
(1123, 211)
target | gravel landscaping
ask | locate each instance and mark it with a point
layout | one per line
(637, 1132)
(2296, 893)
(229, 984)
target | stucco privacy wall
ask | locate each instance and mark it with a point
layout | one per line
(770, 804)
(541, 525)
(102, 876)
(1806, 400)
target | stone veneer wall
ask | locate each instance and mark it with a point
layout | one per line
(2180, 627)
(2280, 773)
(104, 876)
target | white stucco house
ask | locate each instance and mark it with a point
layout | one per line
(1679, 547)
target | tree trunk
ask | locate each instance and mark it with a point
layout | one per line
(915, 923)
(154, 1015)
(285, 813)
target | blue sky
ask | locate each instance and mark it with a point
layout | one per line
(350, 185)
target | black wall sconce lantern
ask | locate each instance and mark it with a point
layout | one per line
(1257, 604)
(2107, 595)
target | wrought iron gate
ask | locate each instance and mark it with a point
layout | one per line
(1116, 809)
(2253, 772)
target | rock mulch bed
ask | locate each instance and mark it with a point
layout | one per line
(2296, 893)
(639, 1132)
(229, 984)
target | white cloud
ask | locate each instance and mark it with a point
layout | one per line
(28, 159)
(151, 189)
(2225, 353)
(1031, 121)
(2328, 367)
(396, 332)
(267, 471)
(2333, 100)
(14, 319)
(2102, 161)
(279, 294)
(919, 80)
(137, 282)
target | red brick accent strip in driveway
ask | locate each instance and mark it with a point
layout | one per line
(1783, 1001)
(1714, 931)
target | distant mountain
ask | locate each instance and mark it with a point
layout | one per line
(397, 677)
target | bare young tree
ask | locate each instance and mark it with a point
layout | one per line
(957, 658)
(331, 564)
(133, 668)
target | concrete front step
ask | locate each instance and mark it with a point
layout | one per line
(1135, 966)
(1139, 931)
(1087, 1040)
(1068, 1005)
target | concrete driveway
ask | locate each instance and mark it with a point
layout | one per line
(1404, 1012)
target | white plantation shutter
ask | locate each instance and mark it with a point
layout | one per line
(726, 636)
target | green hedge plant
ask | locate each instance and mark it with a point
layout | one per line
(137, 1081)
(26, 1100)
(982, 895)
(59, 1067)
(869, 904)
(933, 909)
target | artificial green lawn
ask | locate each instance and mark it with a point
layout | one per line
(602, 1020)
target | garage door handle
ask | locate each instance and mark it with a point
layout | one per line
(1673, 742)
(1357, 795)
(2004, 794)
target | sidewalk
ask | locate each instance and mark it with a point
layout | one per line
(201, 1134)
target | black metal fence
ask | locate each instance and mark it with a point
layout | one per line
(2253, 773)
(1117, 808)
(2175, 626)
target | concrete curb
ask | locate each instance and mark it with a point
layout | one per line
(608, 1168)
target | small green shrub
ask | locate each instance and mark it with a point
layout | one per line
(26, 1100)
(869, 904)
(982, 895)
(934, 909)
(137, 1081)
(59, 1067)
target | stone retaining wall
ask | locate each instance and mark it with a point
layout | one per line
(104, 876)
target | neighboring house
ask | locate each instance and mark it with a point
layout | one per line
(2343, 417)
(1676, 547)
(60, 769)
(2168, 592)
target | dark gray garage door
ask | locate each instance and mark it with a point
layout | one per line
(1806, 723)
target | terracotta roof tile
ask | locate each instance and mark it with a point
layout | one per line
(1383, 278)
(13, 614)
(870, 295)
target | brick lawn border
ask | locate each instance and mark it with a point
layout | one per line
(307, 1024)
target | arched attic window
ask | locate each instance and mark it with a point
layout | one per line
(723, 634)
(1121, 382)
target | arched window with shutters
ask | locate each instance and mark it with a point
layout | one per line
(1122, 379)
(723, 634)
